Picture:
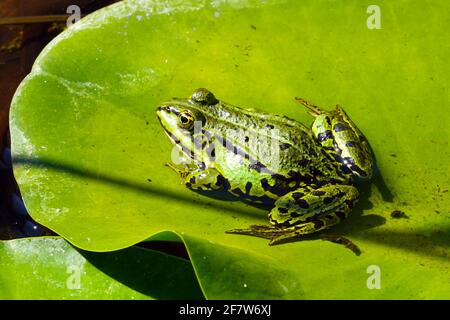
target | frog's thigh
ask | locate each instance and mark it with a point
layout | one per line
(208, 179)
(306, 205)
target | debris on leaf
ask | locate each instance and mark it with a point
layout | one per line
(397, 214)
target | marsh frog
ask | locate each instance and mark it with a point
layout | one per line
(305, 173)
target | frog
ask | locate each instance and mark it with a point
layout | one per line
(305, 175)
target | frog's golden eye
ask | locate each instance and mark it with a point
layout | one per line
(186, 120)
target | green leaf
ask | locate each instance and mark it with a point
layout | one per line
(89, 153)
(50, 268)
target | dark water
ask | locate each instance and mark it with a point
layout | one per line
(15, 222)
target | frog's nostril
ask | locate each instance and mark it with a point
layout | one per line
(164, 109)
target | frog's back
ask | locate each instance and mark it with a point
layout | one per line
(281, 145)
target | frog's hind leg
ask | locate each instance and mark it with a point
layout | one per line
(340, 137)
(303, 212)
(315, 225)
(278, 235)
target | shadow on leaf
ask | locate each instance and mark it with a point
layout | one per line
(355, 226)
(132, 266)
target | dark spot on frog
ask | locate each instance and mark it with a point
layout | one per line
(221, 181)
(295, 214)
(302, 203)
(345, 169)
(393, 155)
(258, 166)
(334, 181)
(224, 143)
(269, 126)
(321, 137)
(237, 192)
(297, 195)
(283, 210)
(248, 187)
(285, 146)
(279, 188)
(149, 180)
(265, 184)
(192, 180)
(303, 162)
(246, 139)
(350, 144)
(253, 27)
(328, 200)
(437, 211)
(318, 193)
(318, 224)
(338, 127)
(357, 169)
(341, 194)
(397, 214)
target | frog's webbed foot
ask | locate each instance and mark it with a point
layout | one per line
(261, 231)
(183, 172)
(199, 179)
(278, 235)
(303, 212)
(313, 109)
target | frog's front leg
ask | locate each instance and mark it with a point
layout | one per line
(305, 211)
(200, 179)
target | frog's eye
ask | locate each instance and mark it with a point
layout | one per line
(186, 120)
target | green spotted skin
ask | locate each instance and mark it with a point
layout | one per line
(305, 174)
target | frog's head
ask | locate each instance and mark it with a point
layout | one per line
(183, 120)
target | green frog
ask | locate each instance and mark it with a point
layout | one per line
(306, 174)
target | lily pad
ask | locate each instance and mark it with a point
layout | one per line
(89, 153)
(50, 268)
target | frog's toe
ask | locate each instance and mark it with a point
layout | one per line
(261, 231)
(281, 239)
(287, 236)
